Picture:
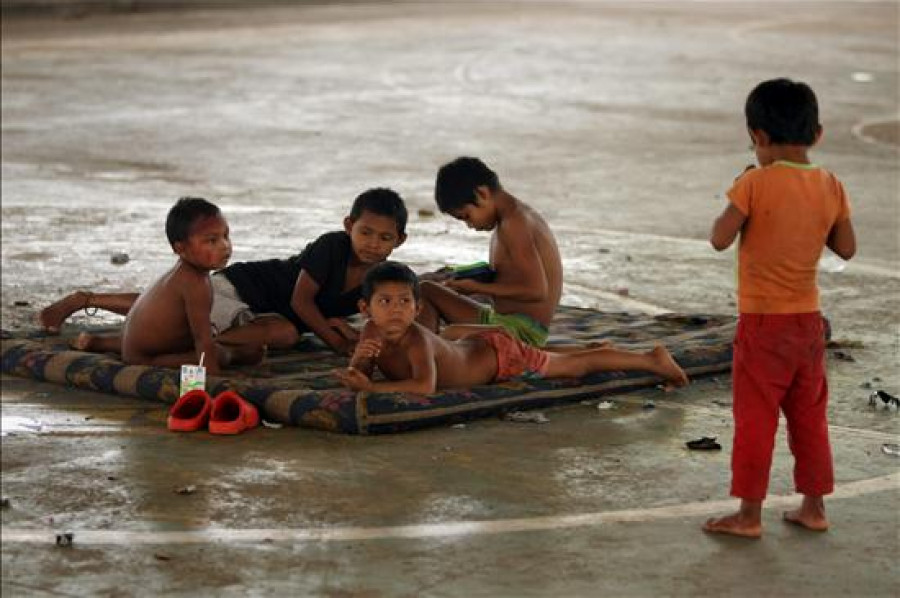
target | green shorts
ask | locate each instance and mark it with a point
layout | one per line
(525, 328)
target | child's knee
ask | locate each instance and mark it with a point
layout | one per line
(282, 333)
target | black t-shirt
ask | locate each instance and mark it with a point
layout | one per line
(267, 285)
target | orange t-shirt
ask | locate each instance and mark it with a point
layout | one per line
(790, 209)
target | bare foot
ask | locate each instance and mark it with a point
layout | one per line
(667, 368)
(810, 515)
(734, 525)
(51, 318)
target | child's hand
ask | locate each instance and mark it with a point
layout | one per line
(353, 379)
(343, 328)
(368, 349)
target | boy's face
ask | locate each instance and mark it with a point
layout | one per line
(373, 236)
(392, 307)
(479, 215)
(208, 246)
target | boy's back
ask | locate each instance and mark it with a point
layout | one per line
(525, 224)
(790, 210)
(158, 323)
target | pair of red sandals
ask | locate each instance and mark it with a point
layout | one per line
(228, 413)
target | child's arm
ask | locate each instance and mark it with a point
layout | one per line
(368, 348)
(197, 306)
(726, 228)
(842, 239)
(527, 283)
(422, 380)
(303, 302)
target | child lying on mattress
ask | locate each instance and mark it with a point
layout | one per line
(416, 360)
(169, 324)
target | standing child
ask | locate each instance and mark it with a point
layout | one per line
(271, 302)
(786, 212)
(416, 360)
(523, 253)
(169, 324)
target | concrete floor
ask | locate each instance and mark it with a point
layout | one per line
(622, 122)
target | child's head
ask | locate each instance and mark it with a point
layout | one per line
(376, 224)
(463, 190)
(785, 111)
(198, 233)
(390, 297)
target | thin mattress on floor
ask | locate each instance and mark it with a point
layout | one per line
(297, 388)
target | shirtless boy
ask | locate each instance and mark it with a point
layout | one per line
(523, 253)
(271, 302)
(416, 360)
(169, 323)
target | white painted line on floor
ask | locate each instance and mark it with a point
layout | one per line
(858, 130)
(431, 530)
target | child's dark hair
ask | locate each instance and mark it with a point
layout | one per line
(457, 181)
(184, 214)
(389, 271)
(786, 110)
(384, 202)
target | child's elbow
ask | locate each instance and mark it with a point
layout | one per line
(719, 244)
(846, 253)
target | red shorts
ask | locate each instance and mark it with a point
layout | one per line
(515, 358)
(779, 365)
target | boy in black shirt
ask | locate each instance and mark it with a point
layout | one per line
(272, 302)
(314, 290)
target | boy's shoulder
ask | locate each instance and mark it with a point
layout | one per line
(184, 278)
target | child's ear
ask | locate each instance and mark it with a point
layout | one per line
(400, 239)
(760, 137)
(348, 224)
(363, 307)
(819, 132)
(482, 193)
(178, 248)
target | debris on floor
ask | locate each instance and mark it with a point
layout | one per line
(888, 400)
(891, 449)
(843, 343)
(65, 539)
(4, 503)
(649, 404)
(526, 417)
(189, 489)
(843, 356)
(605, 405)
(705, 443)
(119, 258)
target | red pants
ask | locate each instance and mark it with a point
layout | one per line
(779, 364)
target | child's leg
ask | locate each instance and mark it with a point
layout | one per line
(228, 356)
(98, 343)
(272, 331)
(580, 363)
(52, 317)
(761, 374)
(439, 302)
(805, 408)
